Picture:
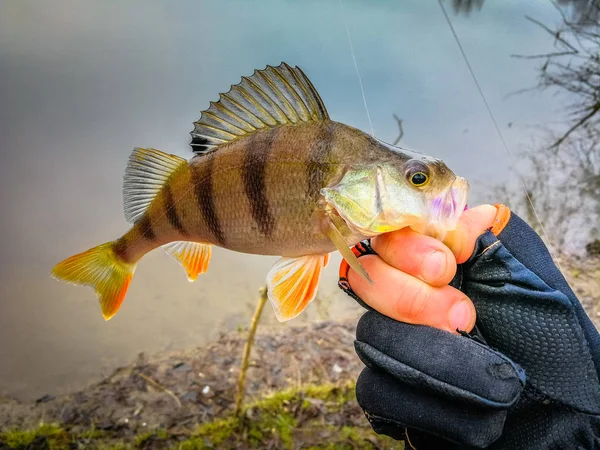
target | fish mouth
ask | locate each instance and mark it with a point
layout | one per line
(447, 208)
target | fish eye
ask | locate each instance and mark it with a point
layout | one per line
(419, 179)
(417, 174)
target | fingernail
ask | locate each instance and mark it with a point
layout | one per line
(434, 266)
(461, 316)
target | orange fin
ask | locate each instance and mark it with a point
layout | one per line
(292, 284)
(102, 269)
(193, 256)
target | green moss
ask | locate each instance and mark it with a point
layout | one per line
(217, 431)
(271, 417)
(332, 393)
(272, 420)
(284, 427)
(351, 434)
(114, 446)
(92, 434)
(142, 438)
(55, 437)
(193, 444)
(18, 438)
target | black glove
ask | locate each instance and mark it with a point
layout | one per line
(527, 377)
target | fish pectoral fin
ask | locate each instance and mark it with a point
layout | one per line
(292, 284)
(193, 256)
(270, 97)
(333, 232)
(147, 172)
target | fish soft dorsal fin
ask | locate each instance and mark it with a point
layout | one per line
(274, 96)
(146, 173)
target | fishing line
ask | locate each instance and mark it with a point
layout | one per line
(489, 110)
(362, 90)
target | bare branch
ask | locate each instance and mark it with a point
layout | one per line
(400, 128)
(555, 34)
(579, 123)
(547, 55)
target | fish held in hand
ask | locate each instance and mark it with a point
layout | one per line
(272, 175)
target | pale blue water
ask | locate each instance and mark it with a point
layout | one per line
(82, 83)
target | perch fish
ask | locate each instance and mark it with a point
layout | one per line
(272, 175)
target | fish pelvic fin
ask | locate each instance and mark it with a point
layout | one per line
(292, 284)
(101, 268)
(193, 256)
(147, 172)
(270, 97)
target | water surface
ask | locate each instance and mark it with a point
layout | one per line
(82, 83)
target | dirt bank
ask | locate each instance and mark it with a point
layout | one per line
(300, 379)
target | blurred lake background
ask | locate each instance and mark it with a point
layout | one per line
(83, 83)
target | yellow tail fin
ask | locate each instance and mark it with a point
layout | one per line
(102, 269)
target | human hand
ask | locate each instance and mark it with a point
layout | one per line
(527, 377)
(411, 273)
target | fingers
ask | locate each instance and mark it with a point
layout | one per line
(418, 255)
(411, 274)
(408, 299)
(472, 223)
(429, 259)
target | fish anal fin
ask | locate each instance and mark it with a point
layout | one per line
(194, 257)
(273, 96)
(292, 284)
(147, 171)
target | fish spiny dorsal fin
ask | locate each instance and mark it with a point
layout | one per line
(274, 96)
(146, 173)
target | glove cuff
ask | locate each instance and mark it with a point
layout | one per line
(501, 220)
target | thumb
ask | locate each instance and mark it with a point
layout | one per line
(472, 224)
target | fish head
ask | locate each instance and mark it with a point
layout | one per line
(417, 191)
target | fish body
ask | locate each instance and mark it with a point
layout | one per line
(273, 175)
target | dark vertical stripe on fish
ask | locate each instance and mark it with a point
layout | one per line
(203, 188)
(120, 247)
(171, 211)
(145, 224)
(258, 147)
(318, 164)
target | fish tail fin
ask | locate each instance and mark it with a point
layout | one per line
(101, 268)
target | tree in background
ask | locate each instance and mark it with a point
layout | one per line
(581, 11)
(563, 177)
(574, 67)
(563, 192)
(466, 6)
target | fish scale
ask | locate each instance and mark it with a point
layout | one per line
(273, 175)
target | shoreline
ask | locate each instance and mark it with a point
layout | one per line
(172, 397)
(202, 381)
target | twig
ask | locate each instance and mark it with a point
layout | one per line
(400, 128)
(555, 34)
(241, 385)
(160, 387)
(545, 55)
(580, 122)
